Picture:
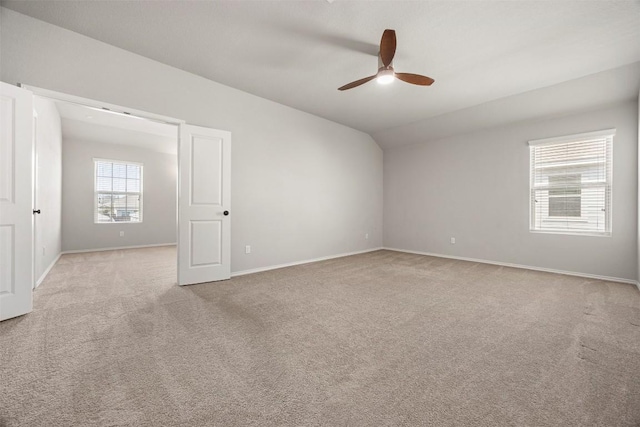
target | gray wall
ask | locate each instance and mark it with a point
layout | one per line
(302, 187)
(48, 185)
(475, 187)
(158, 225)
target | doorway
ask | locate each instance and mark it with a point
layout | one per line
(103, 180)
(202, 186)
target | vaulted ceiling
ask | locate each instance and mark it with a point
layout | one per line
(299, 52)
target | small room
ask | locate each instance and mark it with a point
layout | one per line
(421, 213)
(103, 181)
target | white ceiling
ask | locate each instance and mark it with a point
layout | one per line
(80, 123)
(299, 52)
(586, 93)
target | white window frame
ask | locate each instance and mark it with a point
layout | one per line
(608, 185)
(95, 189)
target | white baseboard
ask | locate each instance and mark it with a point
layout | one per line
(81, 251)
(42, 277)
(307, 261)
(526, 267)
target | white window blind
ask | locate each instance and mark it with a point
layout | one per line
(571, 183)
(118, 191)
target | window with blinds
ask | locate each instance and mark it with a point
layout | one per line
(118, 191)
(571, 183)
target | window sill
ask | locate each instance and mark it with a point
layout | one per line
(573, 233)
(117, 222)
(566, 219)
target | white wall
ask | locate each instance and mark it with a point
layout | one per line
(48, 185)
(302, 187)
(158, 226)
(475, 187)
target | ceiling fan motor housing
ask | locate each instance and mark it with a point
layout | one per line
(381, 65)
(385, 73)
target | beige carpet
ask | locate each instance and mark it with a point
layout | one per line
(380, 339)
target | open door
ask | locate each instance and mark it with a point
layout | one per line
(204, 204)
(16, 234)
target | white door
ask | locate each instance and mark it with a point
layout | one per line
(16, 234)
(204, 206)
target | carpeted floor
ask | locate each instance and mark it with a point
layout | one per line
(379, 339)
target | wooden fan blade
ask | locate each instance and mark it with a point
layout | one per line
(357, 83)
(415, 79)
(387, 47)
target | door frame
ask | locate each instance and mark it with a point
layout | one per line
(91, 103)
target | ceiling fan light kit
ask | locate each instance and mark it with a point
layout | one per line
(385, 76)
(386, 73)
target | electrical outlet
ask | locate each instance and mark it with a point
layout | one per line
(453, 240)
(43, 250)
(366, 236)
(247, 249)
(122, 234)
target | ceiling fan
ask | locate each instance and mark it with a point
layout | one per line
(386, 73)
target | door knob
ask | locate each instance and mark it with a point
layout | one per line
(225, 213)
(36, 211)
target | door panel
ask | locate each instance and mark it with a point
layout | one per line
(7, 142)
(204, 195)
(7, 285)
(206, 237)
(206, 180)
(16, 192)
